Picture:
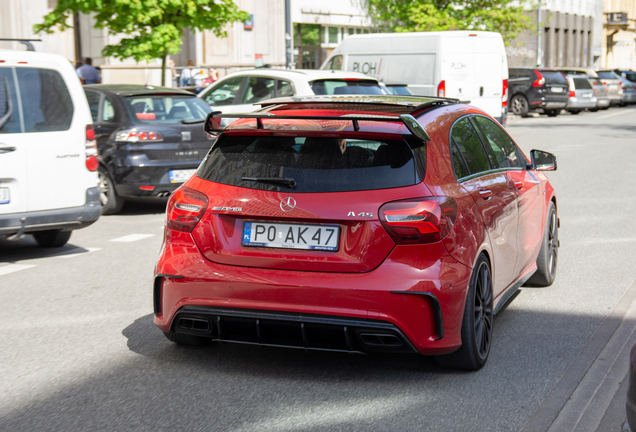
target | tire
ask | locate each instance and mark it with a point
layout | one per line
(52, 238)
(477, 323)
(548, 254)
(111, 202)
(552, 112)
(574, 112)
(183, 339)
(519, 105)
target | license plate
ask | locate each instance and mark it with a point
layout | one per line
(557, 89)
(5, 198)
(291, 236)
(179, 176)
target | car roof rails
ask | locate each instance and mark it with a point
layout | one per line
(26, 42)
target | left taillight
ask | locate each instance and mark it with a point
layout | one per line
(185, 209)
(91, 149)
(426, 220)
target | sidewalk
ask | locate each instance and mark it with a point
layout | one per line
(591, 394)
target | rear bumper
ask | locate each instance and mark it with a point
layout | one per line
(129, 178)
(410, 304)
(580, 103)
(66, 219)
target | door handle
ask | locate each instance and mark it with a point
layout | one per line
(519, 185)
(485, 193)
(6, 149)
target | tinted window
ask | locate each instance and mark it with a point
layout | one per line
(553, 77)
(582, 84)
(502, 149)
(93, 104)
(469, 145)
(630, 76)
(224, 92)
(316, 164)
(606, 75)
(9, 113)
(258, 89)
(46, 101)
(457, 160)
(337, 86)
(169, 109)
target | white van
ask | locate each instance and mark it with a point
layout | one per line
(48, 164)
(467, 65)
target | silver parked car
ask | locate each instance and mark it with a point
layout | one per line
(581, 94)
(614, 86)
(601, 91)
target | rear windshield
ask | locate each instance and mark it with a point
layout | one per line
(630, 76)
(340, 86)
(314, 164)
(553, 77)
(166, 109)
(582, 83)
(607, 75)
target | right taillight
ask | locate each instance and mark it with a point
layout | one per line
(92, 163)
(441, 89)
(185, 209)
(540, 81)
(426, 220)
(572, 93)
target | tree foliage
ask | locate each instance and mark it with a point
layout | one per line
(501, 16)
(151, 28)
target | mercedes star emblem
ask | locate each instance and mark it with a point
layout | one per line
(288, 204)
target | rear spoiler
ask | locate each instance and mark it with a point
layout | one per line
(213, 121)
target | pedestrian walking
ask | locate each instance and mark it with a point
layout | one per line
(87, 73)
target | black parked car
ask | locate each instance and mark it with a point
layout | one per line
(149, 139)
(530, 89)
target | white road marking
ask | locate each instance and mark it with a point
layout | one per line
(132, 238)
(614, 114)
(71, 254)
(13, 268)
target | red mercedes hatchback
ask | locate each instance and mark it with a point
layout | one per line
(356, 224)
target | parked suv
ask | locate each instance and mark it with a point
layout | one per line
(530, 89)
(48, 179)
(360, 225)
(150, 140)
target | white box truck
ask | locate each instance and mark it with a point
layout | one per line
(468, 65)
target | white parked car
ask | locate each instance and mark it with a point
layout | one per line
(239, 91)
(48, 164)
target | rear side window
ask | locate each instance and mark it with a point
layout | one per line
(93, 103)
(316, 164)
(341, 86)
(169, 109)
(582, 84)
(258, 89)
(465, 138)
(43, 96)
(553, 77)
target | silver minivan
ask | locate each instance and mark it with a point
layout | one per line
(581, 94)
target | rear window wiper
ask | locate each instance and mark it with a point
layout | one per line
(276, 180)
(192, 121)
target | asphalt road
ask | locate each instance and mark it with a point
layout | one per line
(80, 353)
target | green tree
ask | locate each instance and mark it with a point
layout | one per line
(501, 16)
(152, 28)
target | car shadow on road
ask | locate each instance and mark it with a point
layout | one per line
(27, 249)
(147, 340)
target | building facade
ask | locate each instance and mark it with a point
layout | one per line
(619, 34)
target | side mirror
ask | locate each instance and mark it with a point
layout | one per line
(542, 161)
(213, 124)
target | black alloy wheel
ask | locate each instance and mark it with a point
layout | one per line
(548, 257)
(519, 105)
(111, 202)
(477, 324)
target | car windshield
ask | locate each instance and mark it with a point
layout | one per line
(314, 164)
(345, 86)
(166, 109)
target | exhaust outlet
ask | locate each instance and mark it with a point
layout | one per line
(193, 324)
